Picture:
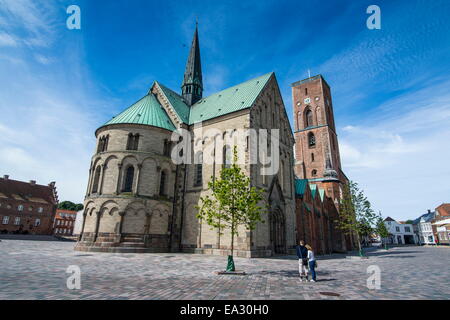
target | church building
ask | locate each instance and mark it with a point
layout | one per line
(139, 200)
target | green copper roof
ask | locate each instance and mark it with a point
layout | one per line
(300, 186)
(146, 111)
(181, 108)
(229, 100)
(313, 188)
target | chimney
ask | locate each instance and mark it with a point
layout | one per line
(429, 211)
(6, 177)
(32, 182)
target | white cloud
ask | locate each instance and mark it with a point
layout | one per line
(47, 126)
(400, 154)
(7, 40)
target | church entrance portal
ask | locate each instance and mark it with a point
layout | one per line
(277, 232)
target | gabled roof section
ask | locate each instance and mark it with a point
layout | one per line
(239, 97)
(147, 111)
(177, 102)
(389, 219)
(28, 191)
(321, 193)
(313, 188)
(300, 186)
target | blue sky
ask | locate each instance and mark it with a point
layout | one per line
(390, 87)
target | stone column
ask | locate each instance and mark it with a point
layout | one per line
(119, 232)
(138, 176)
(102, 175)
(97, 225)
(88, 191)
(82, 226)
(119, 178)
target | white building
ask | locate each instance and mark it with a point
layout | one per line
(399, 233)
(78, 223)
(424, 228)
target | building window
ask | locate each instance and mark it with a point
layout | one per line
(103, 144)
(129, 176)
(311, 140)
(20, 207)
(162, 184)
(17, 221)
(309, 119)
(199, 170)
(314, 173)
(30, 208)
(58, 222)
(407, 229)
(5, 220)
(133, 141)
(306, 91)
(96, 179)
(312, 157)
(37, 222)
(227, 156)
(167, 145)
(40, 209)
(397, 229)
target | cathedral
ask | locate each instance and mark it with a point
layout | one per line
(139, 200)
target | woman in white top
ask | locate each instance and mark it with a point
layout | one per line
(312, 263)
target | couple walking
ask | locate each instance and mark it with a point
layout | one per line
(306, 259)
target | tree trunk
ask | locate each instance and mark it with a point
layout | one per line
(359, 244)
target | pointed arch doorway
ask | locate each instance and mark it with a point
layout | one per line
(277, 231)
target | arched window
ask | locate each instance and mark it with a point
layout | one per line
(312, 157)
(227, 156)
(129, 176)
(309, 118)
(133, 141)
(96, 180)
(162, 183)
(103, 144)
(314, 173)
(198, 181)
(167, 148)
(311, 140)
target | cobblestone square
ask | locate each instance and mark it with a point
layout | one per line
(37, 270)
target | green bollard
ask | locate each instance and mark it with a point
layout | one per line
(230, 264)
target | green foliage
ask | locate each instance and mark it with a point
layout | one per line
(232, 203)
(381, 229)
(69, 205)
(356, 215)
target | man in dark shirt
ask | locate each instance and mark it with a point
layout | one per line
(302, 254)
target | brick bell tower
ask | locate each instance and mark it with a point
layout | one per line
(316, 145)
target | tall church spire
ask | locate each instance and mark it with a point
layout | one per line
(192, 87)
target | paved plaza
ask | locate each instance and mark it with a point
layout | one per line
(37, 270)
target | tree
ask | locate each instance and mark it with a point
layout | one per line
(381, 230)
(233, 203)
(69, 205)
(355, 214)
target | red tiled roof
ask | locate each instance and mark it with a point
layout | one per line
(59, 211)
(26, 190)
(444, 209)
